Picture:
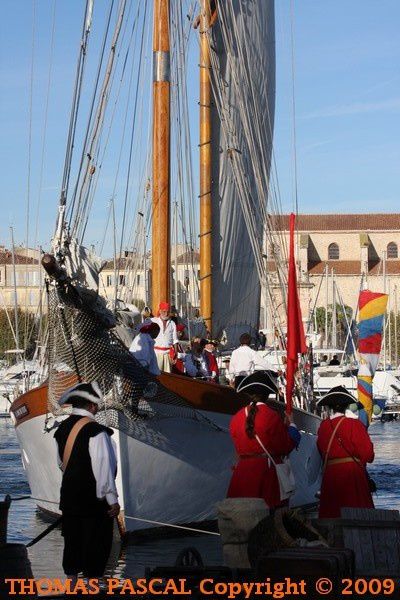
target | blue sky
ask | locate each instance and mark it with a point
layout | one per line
(347, 96)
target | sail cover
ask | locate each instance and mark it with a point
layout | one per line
(372, 308)
(243, 58)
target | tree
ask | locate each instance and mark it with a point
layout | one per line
(28, 331)
(392, 339)
(344, 319)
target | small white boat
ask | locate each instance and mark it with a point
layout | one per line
(17, 380)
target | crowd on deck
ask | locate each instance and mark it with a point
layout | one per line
(160, 346)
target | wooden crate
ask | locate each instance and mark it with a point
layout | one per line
(306, 561)
(374, 535)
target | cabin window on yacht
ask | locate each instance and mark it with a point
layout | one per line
(392, 251)
(333, 252)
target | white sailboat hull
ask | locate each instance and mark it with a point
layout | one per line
(39, 459)
(174, 472)
(4, 406)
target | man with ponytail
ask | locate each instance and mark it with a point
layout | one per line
(262, 439)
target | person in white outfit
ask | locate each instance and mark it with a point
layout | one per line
(166, 339)
(245, 360)
(142, 347)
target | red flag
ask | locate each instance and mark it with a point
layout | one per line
(296, 343)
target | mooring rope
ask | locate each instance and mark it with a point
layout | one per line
(58, 521)
(172, 525)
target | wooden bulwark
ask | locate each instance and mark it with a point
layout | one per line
(201, 395)
(31, 404)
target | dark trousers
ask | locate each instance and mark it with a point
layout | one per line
(87, 544)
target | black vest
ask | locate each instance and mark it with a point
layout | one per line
(78, 488)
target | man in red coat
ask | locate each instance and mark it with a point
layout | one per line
(176, 353)
(346, 448)
(209, 353)
(254, 475)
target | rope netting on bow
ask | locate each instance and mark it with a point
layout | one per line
(82, 347)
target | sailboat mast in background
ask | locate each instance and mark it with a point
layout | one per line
(205, 169)
(161, 156)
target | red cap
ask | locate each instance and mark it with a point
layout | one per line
(148, 327)
(180, 327)
(163, 306)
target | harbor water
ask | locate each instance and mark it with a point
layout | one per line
(25, 523)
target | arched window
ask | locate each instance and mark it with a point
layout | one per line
(333, 252)
(392, 251)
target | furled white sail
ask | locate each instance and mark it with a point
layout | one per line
(243, 74)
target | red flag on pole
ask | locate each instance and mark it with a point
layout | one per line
(296, 343)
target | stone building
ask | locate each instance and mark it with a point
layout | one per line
(134, 278)
(337, 255)
(28, 278)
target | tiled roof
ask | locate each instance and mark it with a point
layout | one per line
(7, 259)
(353, 267)
(191, 256)
(122, 263)
(350, 222)
(392, 267)
(340, 267)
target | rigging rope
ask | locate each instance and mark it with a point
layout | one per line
(28, 190)
(46, 111)
(295, 198)
(248, 156)
(100, 161)
(85, 151)
(130, 157)
(87, 21)
(97, 125)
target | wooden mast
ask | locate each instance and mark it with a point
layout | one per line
(161, 156)
(205, 169)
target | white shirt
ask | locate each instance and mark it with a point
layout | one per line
(167, 336)
(103, 456)
(348, 413)
(245, 360)
(142, 349)
(262, 363)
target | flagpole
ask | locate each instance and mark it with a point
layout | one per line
(295, 343)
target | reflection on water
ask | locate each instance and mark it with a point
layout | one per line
(25, 523)
(386, 467)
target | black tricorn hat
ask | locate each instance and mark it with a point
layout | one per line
(90, 392)
(337, 396)
(259, 382)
